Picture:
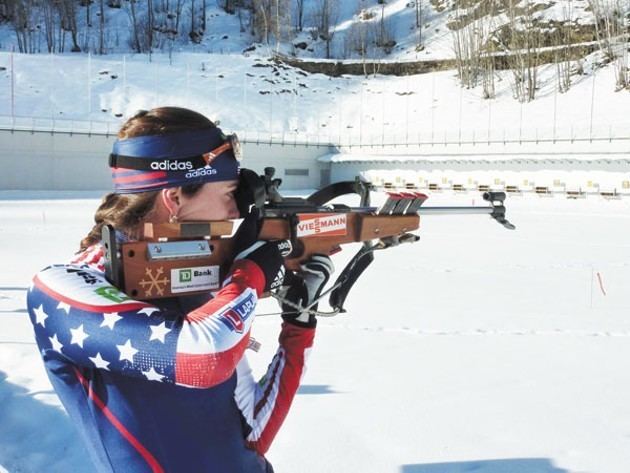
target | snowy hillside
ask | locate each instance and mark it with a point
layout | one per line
(373, 29)
(258, 96)
(578, 97)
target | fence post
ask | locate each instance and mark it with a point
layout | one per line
(12, 87)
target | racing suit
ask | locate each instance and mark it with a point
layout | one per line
(163, 386)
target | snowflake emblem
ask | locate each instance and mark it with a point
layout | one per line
(154, 282)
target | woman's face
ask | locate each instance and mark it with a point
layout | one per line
(214, 201)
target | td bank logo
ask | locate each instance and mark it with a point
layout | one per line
(185, 275)
(112, 294)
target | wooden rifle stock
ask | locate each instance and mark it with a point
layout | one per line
(187, 258)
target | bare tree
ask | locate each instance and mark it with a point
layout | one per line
(67, 9)
(261, 16)
(101, 27)
(467, 44)
(178, 13)
(134, 21)
(326, 15)
(49, 13)
(418, 9)
(523, 57)
(612, 27)
(20, 13)
(385, 37)
(271, 18)
(299, 14)
(151, 24)
(562, 53)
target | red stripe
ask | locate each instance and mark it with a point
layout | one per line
(146, 455)
(263, 400)
(89, 307)
(145, 176)
(208, 369)
(142, 185)
(96, 257)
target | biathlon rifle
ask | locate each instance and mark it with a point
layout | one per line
(175, 259)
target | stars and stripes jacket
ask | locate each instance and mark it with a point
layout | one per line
(163, 387)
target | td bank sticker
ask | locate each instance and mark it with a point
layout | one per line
(199, 278)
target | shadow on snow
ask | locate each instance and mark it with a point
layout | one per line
(316, 389)
(509, 465)
(35, 436)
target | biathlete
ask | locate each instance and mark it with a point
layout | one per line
(164, 386)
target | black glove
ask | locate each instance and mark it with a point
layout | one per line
(268, 255)
(306, 286)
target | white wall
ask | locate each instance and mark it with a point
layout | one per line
(64, 161)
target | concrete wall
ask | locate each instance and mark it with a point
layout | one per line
(64, 161)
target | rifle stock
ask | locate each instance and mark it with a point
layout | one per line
(149, 266)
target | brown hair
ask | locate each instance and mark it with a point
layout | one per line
(125, 212)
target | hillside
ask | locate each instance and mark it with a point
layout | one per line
(355, 29)
(499, 50)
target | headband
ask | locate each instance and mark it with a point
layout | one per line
(153, 162)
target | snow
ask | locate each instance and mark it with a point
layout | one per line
(253, 95)
(476, 349)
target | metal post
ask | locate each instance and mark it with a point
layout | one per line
(432, 104)
(295, 94)
(340, 115)
(188, 84)
(50, 82)
(12, 88)
(271, 111)
(361, 116)
(383, 116)
(555, 100)
(407, 115)
(245, 92)
(520, 126)
(89, 84)
(489, 118)
(459, 135)
(157, 83)
(590, 134)
(124, 68)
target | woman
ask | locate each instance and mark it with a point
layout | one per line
(164, 385)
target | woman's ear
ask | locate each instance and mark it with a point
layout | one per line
(171, 201)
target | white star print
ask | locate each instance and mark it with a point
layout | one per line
(110, 318)
(56, 344)
(63, 306)
(99, 362)
(126, 351)
(40, 315)
(158, 332)
(78, 335)
(148, 310)
(153, 375)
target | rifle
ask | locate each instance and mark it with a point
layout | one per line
(175, 259)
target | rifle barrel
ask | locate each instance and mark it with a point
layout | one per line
(455, 210)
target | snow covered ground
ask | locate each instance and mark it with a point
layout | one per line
(476, 349)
